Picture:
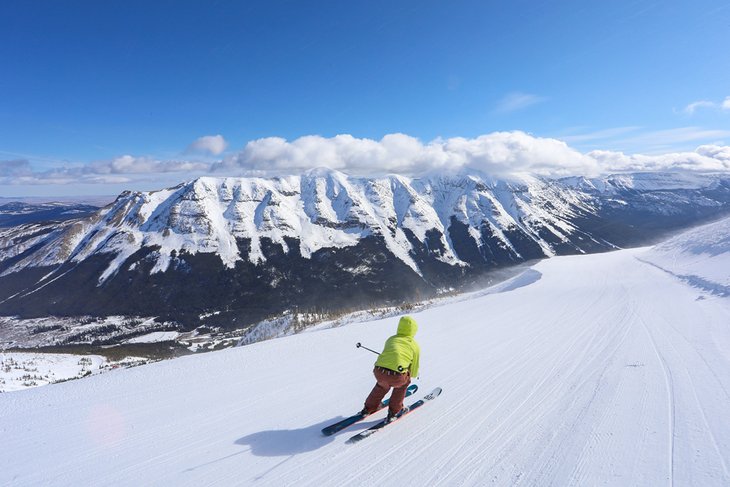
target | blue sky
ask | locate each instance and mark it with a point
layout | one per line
(85, 83)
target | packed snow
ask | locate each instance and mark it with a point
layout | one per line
(587, 370)
(701, 256)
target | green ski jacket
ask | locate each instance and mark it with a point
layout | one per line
(401, 350)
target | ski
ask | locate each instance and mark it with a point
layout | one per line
(375, 428)
(340, 425)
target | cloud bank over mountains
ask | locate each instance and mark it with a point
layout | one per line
(499, 153)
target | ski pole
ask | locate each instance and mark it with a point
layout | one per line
(360, 345)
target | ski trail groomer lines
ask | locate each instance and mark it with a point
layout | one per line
(394, 368)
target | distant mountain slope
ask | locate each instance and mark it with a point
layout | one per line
(229, 252)
(19, 213)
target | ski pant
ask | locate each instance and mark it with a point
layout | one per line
(384, 381)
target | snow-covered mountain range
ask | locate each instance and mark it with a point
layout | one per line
(15, 213)
(233, 251)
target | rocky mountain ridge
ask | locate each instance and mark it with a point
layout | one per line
(230, 252)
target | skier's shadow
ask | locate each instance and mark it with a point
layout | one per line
(279, 443)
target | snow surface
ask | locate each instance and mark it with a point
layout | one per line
(25, 370)
(155, 337)
(701, 256)
(19, 370)
(54, 330)
(590, 370)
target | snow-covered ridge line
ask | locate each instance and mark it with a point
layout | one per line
(328, 209)
(648, 181)
(700, 256)
(320, 209)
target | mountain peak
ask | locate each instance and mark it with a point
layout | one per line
(436, 229)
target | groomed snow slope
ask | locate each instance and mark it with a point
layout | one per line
(700, 256)
(599, 370)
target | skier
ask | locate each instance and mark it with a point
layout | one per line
(394, 368)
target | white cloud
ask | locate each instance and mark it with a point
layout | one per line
(500, 154)
(515, 101)
(694, 106)
(671, 137)
(717, 152)
(119, 170)
(603, 134)
(496, 153)
(142, 165)
(213, 144)
(636, 139)
(706, 158)
(15, 168)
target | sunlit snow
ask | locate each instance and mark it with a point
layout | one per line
(587, 370)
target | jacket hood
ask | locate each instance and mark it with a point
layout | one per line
(407, 327)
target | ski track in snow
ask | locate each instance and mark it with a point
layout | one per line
(600, 370)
